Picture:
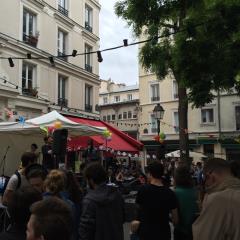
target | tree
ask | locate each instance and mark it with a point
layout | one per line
(198, 41)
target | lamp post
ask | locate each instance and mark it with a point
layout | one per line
(158, 113)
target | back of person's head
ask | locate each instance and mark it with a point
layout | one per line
(182, 177)
(34, 146)
(19, 204)
(28, 158)
(217, 165)
(51, 219)
(235, 168)
(96, 173)
(155, 169)
(55, 182)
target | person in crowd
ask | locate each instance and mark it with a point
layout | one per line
(235, 168)
(36, 175)
(155, 203)
(199, 172)
(48, 160)
(56, 186)
(34, 148)
(51, 219)
(90, 154)
(103, 208)
(18, 179)
(18, 209)
(187, 203)
(219, 218)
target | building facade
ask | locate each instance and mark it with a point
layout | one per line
(119, 105)
(213, 129)
(37, 31)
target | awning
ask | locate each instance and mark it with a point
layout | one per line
(119, 142)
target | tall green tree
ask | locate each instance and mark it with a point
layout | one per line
(200, 45)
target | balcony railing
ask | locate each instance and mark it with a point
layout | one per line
(30, 40)
(62, 102)
(62, 57)
(88, 27)
(63, 10)
(154, 99)
(30, 92)
(88, 108)
(88, 68)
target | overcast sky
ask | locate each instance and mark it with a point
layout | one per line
(120, 65)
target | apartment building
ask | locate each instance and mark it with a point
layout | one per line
(213, 129)
(119, 105)
(37, 31)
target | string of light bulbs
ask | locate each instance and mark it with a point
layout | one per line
(75, 53)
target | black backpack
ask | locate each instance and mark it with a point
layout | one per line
(4, 182)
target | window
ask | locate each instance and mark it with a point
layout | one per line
(120, 116)
(207, 115)
(88, 59)
(153, 124)
(116, 98)
(134, 115)
(124, 115)
(104, 118)
(88, 18)
(62, 39)
(88, 98)
(129, 114)
(129, 97)
(28, 79)
(109, 117)
(62, 7)
(237, 114)
(175, 89)
(155, 92)
(62, 91)
(113, 117)
(176, 122)
(105, 100)
(29, 28)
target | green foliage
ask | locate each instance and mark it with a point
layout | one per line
(203, 53)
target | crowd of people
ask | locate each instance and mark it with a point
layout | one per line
(173, 200)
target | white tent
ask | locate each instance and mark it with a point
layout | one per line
(19, 136)
(195, 155)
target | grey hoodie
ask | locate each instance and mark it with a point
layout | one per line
(103, 214)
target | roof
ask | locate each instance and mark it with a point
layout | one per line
(123, 89)
(119, 142)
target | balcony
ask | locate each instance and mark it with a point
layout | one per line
(154, 99)
(88, 108)
(30, 92)
(62, 10)
(30, 40)
(62, 57)
(88, 68)
(62, 102)
(88, 27)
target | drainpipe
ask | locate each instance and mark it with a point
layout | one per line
(219, 116)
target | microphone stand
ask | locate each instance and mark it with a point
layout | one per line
(3, 162)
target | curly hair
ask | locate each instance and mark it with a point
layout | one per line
(55, 182)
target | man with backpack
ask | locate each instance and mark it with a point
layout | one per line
(18, 179)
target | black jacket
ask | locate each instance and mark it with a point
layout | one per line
(102, 215)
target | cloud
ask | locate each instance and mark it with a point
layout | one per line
(120, 65)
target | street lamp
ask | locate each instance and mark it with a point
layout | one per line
(158, 113)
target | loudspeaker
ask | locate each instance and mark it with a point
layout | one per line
(60, 141)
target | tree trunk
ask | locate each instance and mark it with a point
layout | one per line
(183, 124)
